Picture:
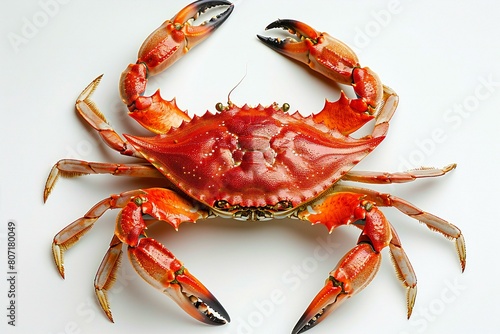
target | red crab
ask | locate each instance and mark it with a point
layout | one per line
(248, 163)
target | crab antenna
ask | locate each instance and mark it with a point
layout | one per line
(236, 86)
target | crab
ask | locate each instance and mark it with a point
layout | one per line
(248, 163)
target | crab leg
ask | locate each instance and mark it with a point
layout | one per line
(159, 267)
(346, 205)
(72, 168)
(404, 270)
(402, 177)
(93, 116)
(106, 274)
(156, 264)
(338, 62)
(433, 222)
(162, 48)
(69, 235)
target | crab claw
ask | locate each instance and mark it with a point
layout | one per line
(159, 267)
(197, 33)
(332, 58)
(176, 36)
(354, 272)
(296, 48)
(320, 51)
(163, 47)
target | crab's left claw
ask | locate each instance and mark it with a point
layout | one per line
(159, 267)
(164, 46)
(176, 36)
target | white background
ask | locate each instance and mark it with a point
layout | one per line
(438, 56)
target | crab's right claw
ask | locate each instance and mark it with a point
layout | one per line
(327, 300)
(159, 267)
(320, 51)
(354, 272)
(336, 61)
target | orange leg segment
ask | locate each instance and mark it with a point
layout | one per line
(400, 177)
(69, 235)
(354, 271)
(360, 265)
(74, 168)
(155, 263)
(346, 205)
(431, 221)
(93, 116)
(152, 261)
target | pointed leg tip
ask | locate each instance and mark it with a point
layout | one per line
(102, 298)
(46, 193)
(463, 263)
(411, 296)
(61, 272)
(110, 316)
(450, 167)
(60, 268)
(409, 312)
(97, 80)
(58, 254)
(461, 250)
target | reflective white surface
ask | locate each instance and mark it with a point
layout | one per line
(441, 58)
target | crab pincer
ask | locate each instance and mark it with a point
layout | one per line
(160, 268)
(164, 46)
(336, 61)
(156, 264)
(320, 51)
(353, 273)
